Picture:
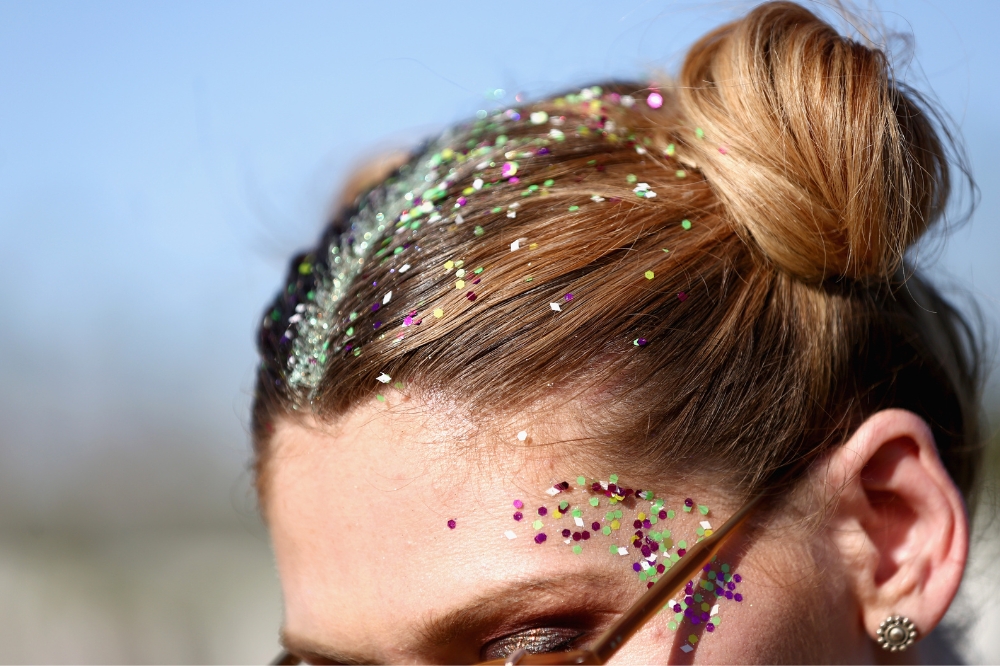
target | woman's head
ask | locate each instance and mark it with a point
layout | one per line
(691, 285)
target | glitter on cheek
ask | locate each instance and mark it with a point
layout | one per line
(451, 524)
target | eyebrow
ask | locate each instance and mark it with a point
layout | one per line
(521, 599)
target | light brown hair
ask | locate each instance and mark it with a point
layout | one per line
(752, 314)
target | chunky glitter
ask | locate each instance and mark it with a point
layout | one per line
(437, 189)
(647, 538)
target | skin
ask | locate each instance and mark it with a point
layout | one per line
(371, 573)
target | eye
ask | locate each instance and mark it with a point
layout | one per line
(534, 641)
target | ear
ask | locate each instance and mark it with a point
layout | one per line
(898, 520)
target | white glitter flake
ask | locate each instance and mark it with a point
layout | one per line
(555, 307)
(523, 435)
(384, 378)
(510, 535)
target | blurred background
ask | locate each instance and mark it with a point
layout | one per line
(160, 162)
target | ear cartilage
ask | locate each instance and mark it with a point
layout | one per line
(896, 633)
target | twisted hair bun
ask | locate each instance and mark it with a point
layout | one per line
(819, 156)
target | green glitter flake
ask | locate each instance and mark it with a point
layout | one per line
(537, 524)
(699, 132)
(681, 173)
(671, 149)
(594, 501)
(563, 506)
(478, 231)
(497, 209)
(631, 178)
(613, 479)
(581, 480)
(577, 549)
(703, 509)
(549, 183)
(573, 209)
(671, 513)
(380, 397)
(686, 224)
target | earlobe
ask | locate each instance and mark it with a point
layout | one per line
(899, 521)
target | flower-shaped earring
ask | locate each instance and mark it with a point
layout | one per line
(896, 633)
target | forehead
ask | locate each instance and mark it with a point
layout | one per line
(360, 518)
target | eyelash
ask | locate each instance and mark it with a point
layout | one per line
(534, 641)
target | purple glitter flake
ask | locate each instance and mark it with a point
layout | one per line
(375, 307)
(451, 524)
(518, 515)
(709, 627)
(577, 536)
(585, 534)
(595, 526)
(642, 342)
(662, 515)
(568, 297)
(738, 578)
(540, 537)
(688, 502)
(542, 511)
(518, 504)
(729, 595)
(737, 596)
(636, 566)
(677, 607)
(566, 534)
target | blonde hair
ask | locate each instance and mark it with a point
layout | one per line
(790, 173)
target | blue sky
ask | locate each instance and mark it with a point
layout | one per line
(160, 161)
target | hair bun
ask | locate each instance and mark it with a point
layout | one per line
(816, 152)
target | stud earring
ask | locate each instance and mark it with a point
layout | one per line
(896, 633)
